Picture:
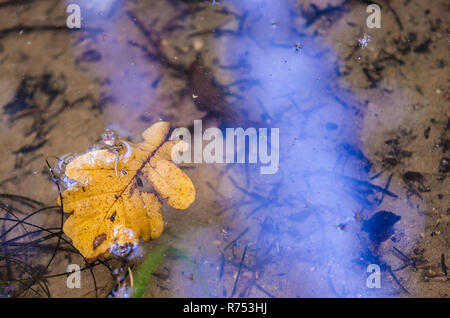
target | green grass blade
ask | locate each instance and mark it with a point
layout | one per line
(147, 268)
(151, 263)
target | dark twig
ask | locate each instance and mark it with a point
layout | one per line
(43, 28)
(239, 271)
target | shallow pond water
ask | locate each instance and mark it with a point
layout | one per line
(350, 160)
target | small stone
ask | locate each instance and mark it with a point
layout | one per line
(198, 44)
(444, 165)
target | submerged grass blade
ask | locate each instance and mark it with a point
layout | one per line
(151, 263)
(147, 268)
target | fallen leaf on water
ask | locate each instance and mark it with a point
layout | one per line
(118, 196)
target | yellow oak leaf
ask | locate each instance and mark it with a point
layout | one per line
(118, 194)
